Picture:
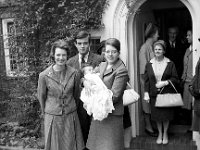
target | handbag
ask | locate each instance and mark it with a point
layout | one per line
(169, 99)
(130, 96)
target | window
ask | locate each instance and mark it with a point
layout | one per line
(13, 60)
(95, 42)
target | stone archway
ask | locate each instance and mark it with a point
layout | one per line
(124, 29)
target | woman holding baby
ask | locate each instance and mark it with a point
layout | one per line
(108, 134)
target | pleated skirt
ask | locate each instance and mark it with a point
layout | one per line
(107, 134)
(63, 132)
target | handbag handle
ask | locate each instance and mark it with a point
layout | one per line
(172, 86)
(128, 85)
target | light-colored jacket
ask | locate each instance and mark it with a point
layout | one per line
(145, 55)
(115, 79)
(187, 66)
(57, 98)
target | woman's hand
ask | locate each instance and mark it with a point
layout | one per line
(161, 84)
(146, 97)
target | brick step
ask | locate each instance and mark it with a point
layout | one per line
(176, 142)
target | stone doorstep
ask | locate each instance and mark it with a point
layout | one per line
(17, 148)
(148, 143)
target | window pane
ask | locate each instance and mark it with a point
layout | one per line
(95, 42)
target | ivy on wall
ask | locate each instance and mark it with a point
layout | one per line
(37, 24)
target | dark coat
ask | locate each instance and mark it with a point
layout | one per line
(160, 114)
(84, 118)
(150, 79)
(176, 54)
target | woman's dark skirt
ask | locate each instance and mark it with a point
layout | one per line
(161, 114)
(126, 118)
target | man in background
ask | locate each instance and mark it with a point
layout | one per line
(175, 49)
(82, 43)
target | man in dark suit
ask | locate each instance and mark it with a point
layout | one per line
(175, 49)
(82, 43)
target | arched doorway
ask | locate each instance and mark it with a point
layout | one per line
(140, 13)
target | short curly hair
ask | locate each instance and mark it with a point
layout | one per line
(161, 43)
(62, 44)
(150, 30)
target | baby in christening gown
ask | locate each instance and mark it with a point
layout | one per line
(96, 97)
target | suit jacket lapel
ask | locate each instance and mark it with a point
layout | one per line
(76, 62)
(90, 58)
(103, 69)
(68, 75)
(166, 70)
(52, 75)
(114, 67)
(152, 72)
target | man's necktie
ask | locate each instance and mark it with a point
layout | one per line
(82, 60)
(173, 45)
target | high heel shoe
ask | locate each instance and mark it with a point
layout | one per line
(159, 141)
(165, 140)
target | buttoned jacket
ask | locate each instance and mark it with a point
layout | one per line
(55, 97)
(115, 79)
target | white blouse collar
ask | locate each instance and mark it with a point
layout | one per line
(166, 60)
(190, 48)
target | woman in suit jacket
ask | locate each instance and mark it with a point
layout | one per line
(108, 133)
(158, 72)
(58, 89)
(188, 73)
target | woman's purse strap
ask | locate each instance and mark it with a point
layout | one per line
(103, 70)
(171, 85)
(129, 85)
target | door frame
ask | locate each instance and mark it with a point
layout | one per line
(123, 27)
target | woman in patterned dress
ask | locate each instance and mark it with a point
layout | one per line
(57, 91)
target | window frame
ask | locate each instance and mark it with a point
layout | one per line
(6, 47)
